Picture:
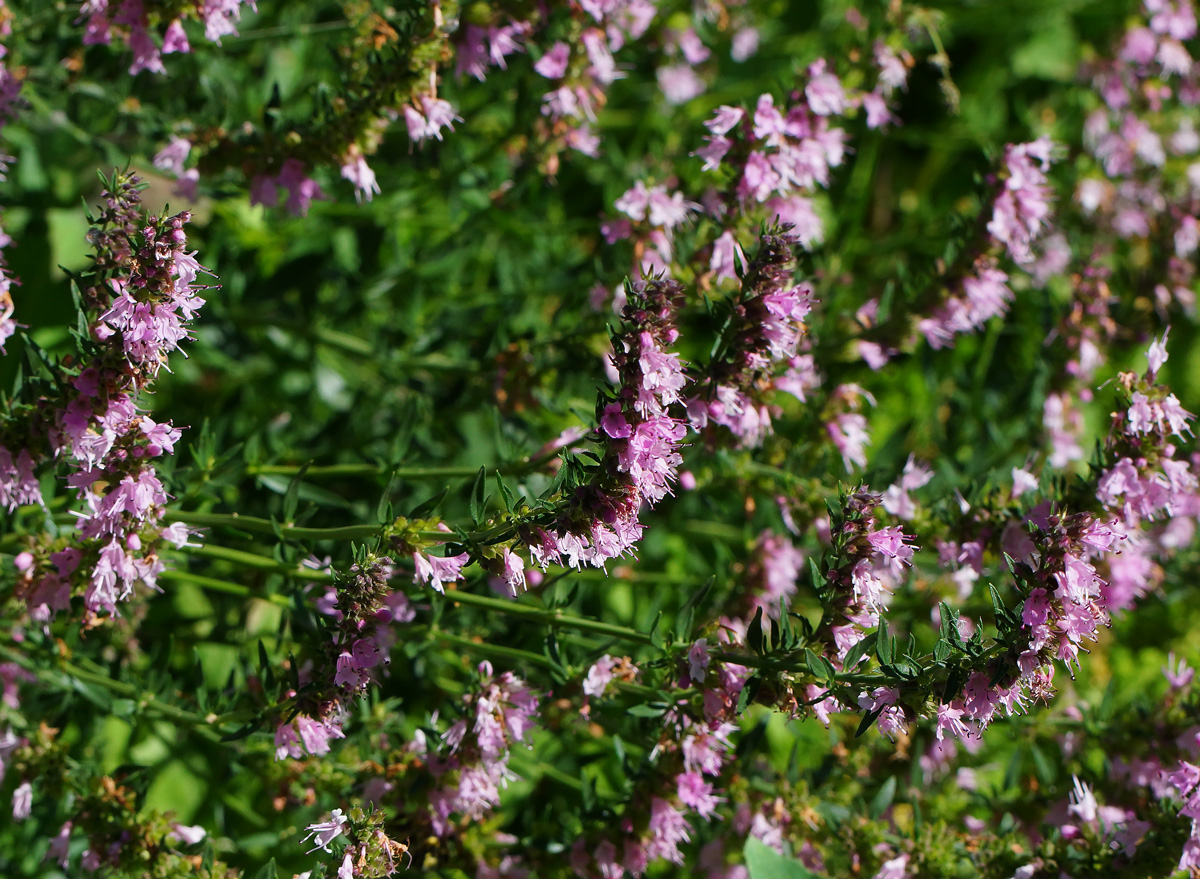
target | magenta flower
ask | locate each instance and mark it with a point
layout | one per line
(436, 570)
(360, 174)
(553, 64)
(325, 832)
(22, 801)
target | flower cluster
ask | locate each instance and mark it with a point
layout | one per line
(473, 764)
(362, 610)
(1144, 181)
(656, 822)
(763, 332)
(1146, 481)
(640, 435)
(131, 22)
(1022, 209)
(144, 296)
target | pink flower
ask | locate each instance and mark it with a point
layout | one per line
(697, 794)
(896, 868)
(1023, 481)
(668, 828)
(324, 832)
(359, 173)
(439, 114)
(553, 64)
(60, 846)
(713, 152)
(1156, 356)
(171, 157)
(598, 677)
(725, 118)
(189, 835)
(849, 435)
(1178, 676)
(679, 83)
(824, 90)
(1083, 802)
(725, 256)
(878, 115)
(949, 719)
(436, 570)
(893, 73)
(263, 191)
(22, 801)
(745, 44)
(302, 190)
(174, 39)
(514, 572)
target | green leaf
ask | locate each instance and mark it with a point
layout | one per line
(754, 634)
(306, 491)
(510, 503)
(587, 792)
(860, 650)
(1044, 767)
(817, 577)
(883, 797)
(749, 691)
(687, 613)
(267, 871)
(942, 650)
(429, 506)
(885, 646)
(619, 749)
(478, 502)
(763, 862)
(868, 721)
(820, 666)
(291, 497)
(1051, 53)
(656, 635)
(97, 696)
(647, 709)
(383, 510)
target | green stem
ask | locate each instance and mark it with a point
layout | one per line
(258, 525)
(362, 470)
(553, 618)
(120, 688)
(266, 526)
(518, 467)
(258, 562)
(632, 576)
(718, 530)
(488, 649)
(214, 585)
(794, 665)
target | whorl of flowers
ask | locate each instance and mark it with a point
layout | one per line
(1019, 218)
(641, 438)
(135, 24)
(144, 296)
(1146, 481)
(657, 820)
(766, 322)
(10, 91)
(473, 763)
(361, 609)
(1022, 209)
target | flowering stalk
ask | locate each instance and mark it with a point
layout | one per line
(142, 295)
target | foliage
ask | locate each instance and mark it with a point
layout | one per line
(605, 438)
